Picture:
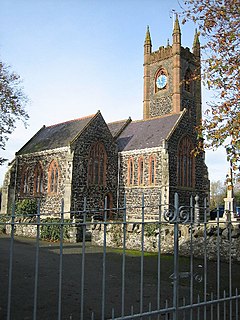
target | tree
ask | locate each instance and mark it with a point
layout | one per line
(12, 104)
(218, 22)
(217, 194)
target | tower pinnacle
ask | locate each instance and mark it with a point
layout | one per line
(148, 37)
(196, 44)
(176, 25)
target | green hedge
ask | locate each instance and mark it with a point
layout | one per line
(51, 229)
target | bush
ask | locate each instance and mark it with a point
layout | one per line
(51, 229)
(26, 207)
(150, 229)
(3, 220)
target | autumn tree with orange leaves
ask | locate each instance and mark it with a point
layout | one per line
(218, 22)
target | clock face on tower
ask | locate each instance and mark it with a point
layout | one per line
(161, 81)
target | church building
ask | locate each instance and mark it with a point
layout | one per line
(89, 158)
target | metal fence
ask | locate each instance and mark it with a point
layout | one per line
(65, 280)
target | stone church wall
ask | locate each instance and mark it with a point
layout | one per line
(134, 193)
(49, 203)
(95, 194)
(201, 175)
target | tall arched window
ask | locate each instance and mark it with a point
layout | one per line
(186, 163)
(53, 177)
(97, 164)
(152, 170)
(188, 81)
(130, 172)
(38, 179)
(25, 187)
(141, 171)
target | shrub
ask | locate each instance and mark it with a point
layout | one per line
(150, 229)
(26, 207)
(51, 229)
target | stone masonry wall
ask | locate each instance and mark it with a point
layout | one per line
(201, 174)
(200, 245)
(50, 203)
(95, 194)
(152, 193)
(161, 102)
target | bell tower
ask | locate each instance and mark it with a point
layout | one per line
(168, 77)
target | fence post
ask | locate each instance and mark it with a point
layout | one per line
(197, 210)
(176, 256)
(11, 263)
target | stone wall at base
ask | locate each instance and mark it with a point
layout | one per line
(229, 238)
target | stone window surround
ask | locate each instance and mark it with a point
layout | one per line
(53, 177)
(97, 164)
(38, 179)
(130, 172)
(188, 81)
(185, 163)
(152, 175)
(141, 171)
(25, 188)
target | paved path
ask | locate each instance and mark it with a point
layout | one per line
(48, 283)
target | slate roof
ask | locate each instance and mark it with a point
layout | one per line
(55, 136)
(147, 133)
(117, 127)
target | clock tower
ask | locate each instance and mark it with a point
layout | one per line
(168, 77)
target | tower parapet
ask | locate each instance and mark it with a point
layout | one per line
(165, 73)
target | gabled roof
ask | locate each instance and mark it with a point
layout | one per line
(56, 136)
(117, 127)
(147, 133)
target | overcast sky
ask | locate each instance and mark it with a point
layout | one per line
(79, 56)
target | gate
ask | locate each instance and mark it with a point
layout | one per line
(173, 264)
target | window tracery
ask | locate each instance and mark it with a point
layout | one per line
(97, 163)
(188, 81)
(141, 171)
(152, 170)
(38, 179)
(186, 163)
(53, 177)
(25, 187)
(130, 172)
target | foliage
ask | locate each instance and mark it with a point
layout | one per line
(26, 207)
(217, 194)
(51, 229)
(12, 104)
(219, 24)
(3, 220)
(150, 229)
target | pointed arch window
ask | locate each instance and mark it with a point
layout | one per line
(53, 177)
(38, 179)
(188, 81)
(97, 164)
(25, 186)
(130, 172)
(152, 170)
(141, 171)
(186, 163)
